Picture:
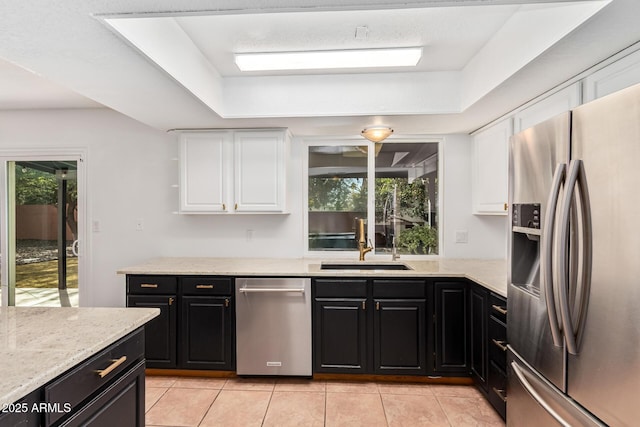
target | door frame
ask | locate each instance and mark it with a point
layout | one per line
(79, 154)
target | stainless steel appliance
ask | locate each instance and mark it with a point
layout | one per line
(574, 252)
(273, 326)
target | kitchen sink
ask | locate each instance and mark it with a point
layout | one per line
(364, 266)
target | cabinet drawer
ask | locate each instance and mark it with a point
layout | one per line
(498, 389)
(151, 284)
(82, 382)
(335, 288)
(498, 307)
(205, 285)
(394, 288)
(498, 342)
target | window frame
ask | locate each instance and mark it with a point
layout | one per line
(359, 141)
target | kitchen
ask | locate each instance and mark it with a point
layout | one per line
(132, 170)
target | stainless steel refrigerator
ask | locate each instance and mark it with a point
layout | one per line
(574, 267)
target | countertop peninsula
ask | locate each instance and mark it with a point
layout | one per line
(492, 274)
(37, 344)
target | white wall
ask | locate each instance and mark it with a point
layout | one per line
(487, 234)
(131, 170)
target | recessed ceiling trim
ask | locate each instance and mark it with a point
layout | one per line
(329, 59)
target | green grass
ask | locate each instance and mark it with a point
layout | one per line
(45, 274)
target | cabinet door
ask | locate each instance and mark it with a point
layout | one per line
(206, 332)
(491, 170)
(340, 335)
(121, 404)
(160, 332)
(451, 331)
(259, 171)
(204, 172)
(556, 103)
(614, 77)
(479, 336)
(399, 336)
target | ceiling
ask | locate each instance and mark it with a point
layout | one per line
(169, 64)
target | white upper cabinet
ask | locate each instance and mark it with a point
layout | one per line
(241, 171)
(259, 165)
(557, 103)
(491, 169)
(619, 75)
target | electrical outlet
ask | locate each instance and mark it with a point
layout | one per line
(249, 235)
(139, 224)
(462, 236)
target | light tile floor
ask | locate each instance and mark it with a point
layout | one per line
(174, 402)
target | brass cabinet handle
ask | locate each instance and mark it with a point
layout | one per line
(500, 344)
(499, 309)
(506, 206)
(171, 300)
(224, 207)
(115, 363)
(502, 394)
(235, 206)
(377, 305)
(364, 305)
(204, 286)
(148, 285)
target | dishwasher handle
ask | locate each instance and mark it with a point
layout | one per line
(247, 290)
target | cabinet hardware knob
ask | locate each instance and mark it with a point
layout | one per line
(115, 363)
(224, 207)
(226, 302)
(377, 305)
(148, 285)
(235, 206)
(204, 286)
(506, 206)
(499, 309)
(363, 305)
(171, 300)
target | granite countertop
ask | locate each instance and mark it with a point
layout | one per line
(492, 274)
(37, 344)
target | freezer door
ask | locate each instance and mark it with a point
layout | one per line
(604, 375)
(537, 163)
(534, 401)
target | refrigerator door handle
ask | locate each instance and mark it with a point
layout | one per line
(520, 375)
(576, 177)
(547, 252)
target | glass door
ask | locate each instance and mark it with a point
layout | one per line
(42, 233)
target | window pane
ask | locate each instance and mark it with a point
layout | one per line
(337, 196)
(406, 198)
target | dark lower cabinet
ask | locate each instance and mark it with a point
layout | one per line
(400, 339)
(196, 326)
(497, 354)
(451, 345)
(206, 333)
(370, 326)
(160, 332)
(478, 307)
(121, 404)
(340, 335)
(105, 390)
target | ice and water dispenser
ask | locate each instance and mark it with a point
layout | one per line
(525, 246)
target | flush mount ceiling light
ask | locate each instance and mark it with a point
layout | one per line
(326, 59)
(376, 133)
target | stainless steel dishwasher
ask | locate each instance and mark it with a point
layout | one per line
(273, 326)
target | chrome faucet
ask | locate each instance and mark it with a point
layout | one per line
(362, 240)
